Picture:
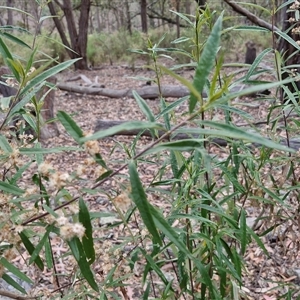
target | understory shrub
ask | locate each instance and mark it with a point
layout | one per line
(188, 244)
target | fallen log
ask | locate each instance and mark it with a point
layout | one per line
(104, 124)
(294, 143)
(146, 92)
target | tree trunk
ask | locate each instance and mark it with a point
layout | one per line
(98, 18)
(201, 3)
(144, 15)
(78, 39)
(188, 7)
(128, 17)
(36, 13)
(9, 3)
(48, 129)
(290, 54)
(279, 14)
(178, 19)
(83, 33)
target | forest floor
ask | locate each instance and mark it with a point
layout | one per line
(263, 276)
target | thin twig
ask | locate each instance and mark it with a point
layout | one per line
(16, 296)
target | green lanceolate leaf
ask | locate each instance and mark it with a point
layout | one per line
(40, 245)
(31, 121)
(237, 133)
(171, 234)
(4, 144)
(30, 248)
(153, 265)
(87, 240)
(140, 199)
(13, 283)
(183, 145)
(46, 74)
(243, 232)
(134, 125)
(48, 254)
(144, 106)
(206, 61)
(11, 189)
(70, 125)
(79, 254)
(39, 151)
(14, 39)
(14, 270)
(17, 106)
(7, 57)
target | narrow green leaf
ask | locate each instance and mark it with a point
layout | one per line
(143, 106)
(74, 248)
(248, 91)
(164, 226)
(83, 264)
(258, 241)
(39, 156)
(104, 175)
(24, 100)
(40, 245)
(237, 263)
(147, 292)
(31, 59)
(193, 90)
(99, 160)
(14, 270)
(39, 151)
(230, 131)
(257, 61)
(288, 39)
(70, 125)
(155, 267)
(30, 248)
(243, 232)
(140, 199)
(50, 211)
(250, 28)
(4, 144)
(21, 11)
(183, 17)
(46, 74)
(13, 283)
(4, 51)
(174, 164)
(31, 121)
(19, 173)
(137, 125)
(182, 145)
(169, 232)
(48, 254)
(11, 189)
(87, 240)
(165, 115)
(206, 61)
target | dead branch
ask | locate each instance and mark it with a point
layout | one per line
(251, 17)
(15, 296)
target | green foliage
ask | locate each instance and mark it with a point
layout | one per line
(199, 225)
